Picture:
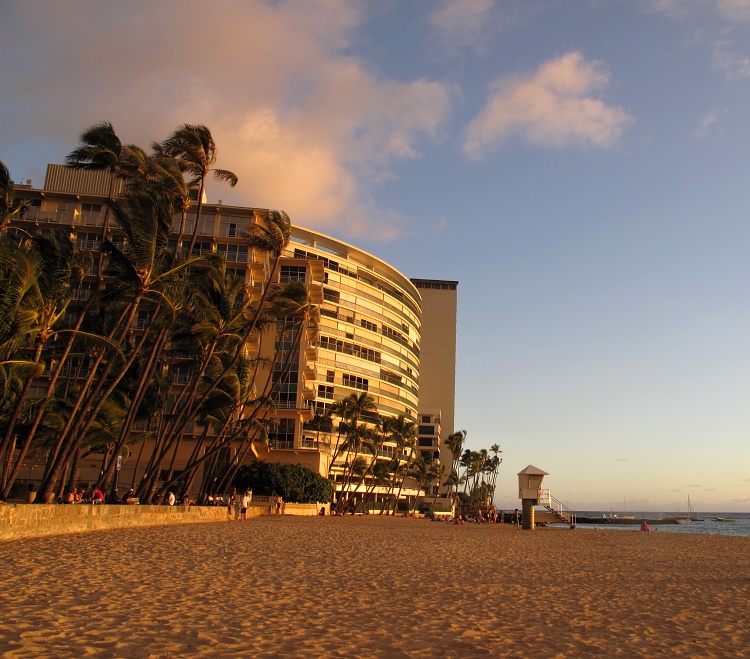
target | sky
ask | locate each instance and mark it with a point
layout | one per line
(582, 169)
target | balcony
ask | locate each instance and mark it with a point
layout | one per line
(310, 372)
(316, 293)
(317, 270)
(311, 352)
(308, 393)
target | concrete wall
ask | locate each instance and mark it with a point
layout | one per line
(35, 520)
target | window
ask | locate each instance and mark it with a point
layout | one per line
(368, 325)
(348, 348)
(426, 418)
(426, 430)
(88, 241)
(325, 392)
(91, 208)
(233, 253)
(331, 296)
(292, 273)
(329, 376)
(233, 226)
(240, 273)
(355, 381)
(387, 331)
(393, 378)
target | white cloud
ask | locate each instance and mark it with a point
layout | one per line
(710, 119)
(461, 23)
(553, 107)
(305, 126)
(734, 65)
(731, 10)
(734, 10)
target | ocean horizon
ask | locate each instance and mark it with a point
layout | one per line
(708, 523)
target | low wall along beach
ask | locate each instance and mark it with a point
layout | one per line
(36, 520)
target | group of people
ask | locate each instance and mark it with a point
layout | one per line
(97, 497)
(238, 503)
(480, 516)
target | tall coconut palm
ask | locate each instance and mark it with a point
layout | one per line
(159, 172)
(419, 470)
(46, 303)
(139, 276)
(404, 433)
(101, 150)
(455, 443)
(194, 146)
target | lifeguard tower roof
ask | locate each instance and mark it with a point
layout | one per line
(531, 470)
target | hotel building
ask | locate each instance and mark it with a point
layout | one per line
(377, 331)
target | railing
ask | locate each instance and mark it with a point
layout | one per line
(557, 507)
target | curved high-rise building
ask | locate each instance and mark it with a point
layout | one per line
(373, 331)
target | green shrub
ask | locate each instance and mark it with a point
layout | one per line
(295, 483)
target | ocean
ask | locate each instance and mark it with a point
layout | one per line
(737, 524)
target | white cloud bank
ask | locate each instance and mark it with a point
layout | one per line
(553, 107)
(734, 65)
(306, 127)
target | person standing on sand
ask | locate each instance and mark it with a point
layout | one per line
(515, 518)
(244, 503)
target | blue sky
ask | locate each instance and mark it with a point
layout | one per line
(581, 168)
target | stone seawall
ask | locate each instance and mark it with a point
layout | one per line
(21, 520)
(34, 520)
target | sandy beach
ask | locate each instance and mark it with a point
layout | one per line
(373, 587)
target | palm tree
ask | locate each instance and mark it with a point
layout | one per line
(419, 470)
(140, 276)
(45, 304)
(194, 147)
(160, 173)
(405, 434)
(495, 465)
(101, 150)
(10, 207)
(455, 443)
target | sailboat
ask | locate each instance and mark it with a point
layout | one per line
(690, 515)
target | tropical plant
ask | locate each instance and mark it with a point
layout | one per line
(10, 207)
(194, 147)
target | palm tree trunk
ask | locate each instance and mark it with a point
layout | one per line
(197, 214)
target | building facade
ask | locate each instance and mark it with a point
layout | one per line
(368, 334)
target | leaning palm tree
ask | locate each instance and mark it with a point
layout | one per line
(194, 147)
(10, 207)
(404, 434)
(455, 443)
(101, 150)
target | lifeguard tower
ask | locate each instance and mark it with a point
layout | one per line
(531, 494)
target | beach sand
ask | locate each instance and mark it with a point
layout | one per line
(373, 587)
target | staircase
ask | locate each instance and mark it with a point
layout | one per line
(558, 509)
